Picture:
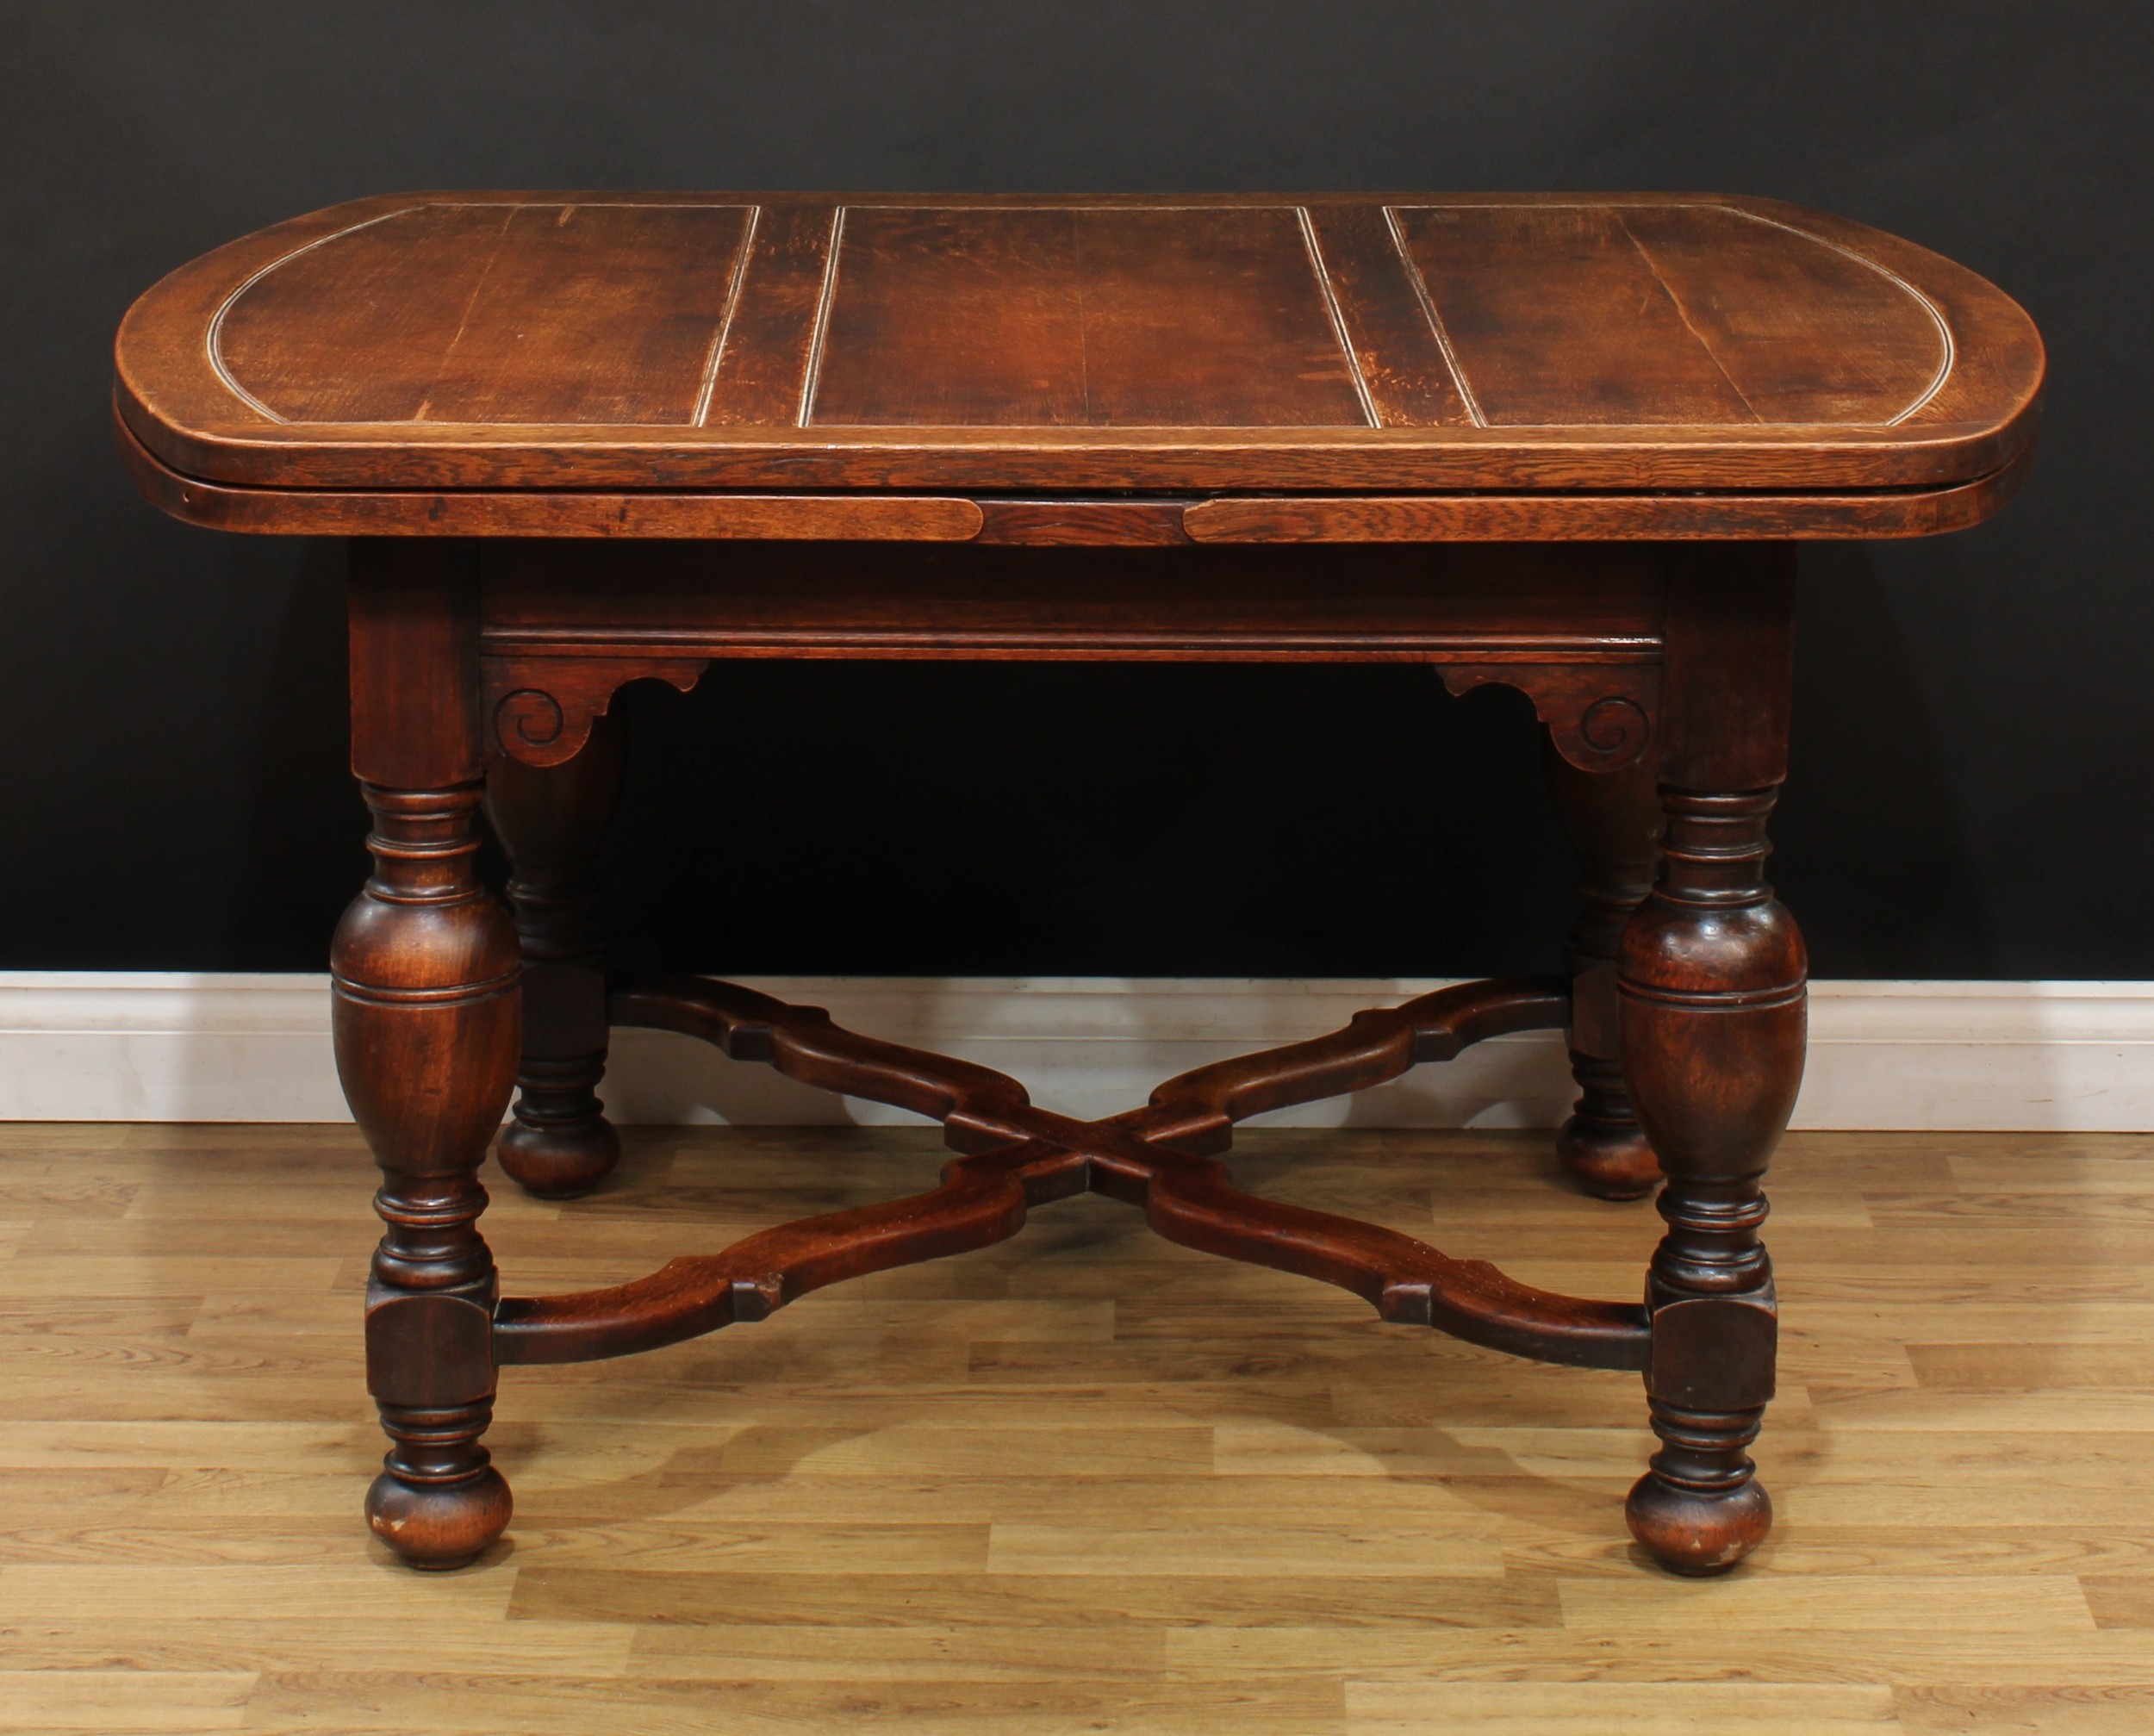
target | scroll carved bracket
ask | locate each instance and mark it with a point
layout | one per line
(541, 709)
(1601, 717)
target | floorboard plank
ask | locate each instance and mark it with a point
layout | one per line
(1082, 1479)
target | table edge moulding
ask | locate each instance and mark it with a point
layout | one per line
(1567, 444)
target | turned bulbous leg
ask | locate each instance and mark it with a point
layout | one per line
(425, 1016)
(436, 1511)
(1701, 1509)
(425, 1025)
(1600, 1145)
(559, 1143)
(1712, 974)
(1614, 820)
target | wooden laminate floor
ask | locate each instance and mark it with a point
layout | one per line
(1085, 1481)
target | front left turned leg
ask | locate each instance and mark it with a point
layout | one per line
(1713, 975)
(424, 1018)
(559, 1143)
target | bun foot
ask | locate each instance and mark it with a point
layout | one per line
(1695, 1531)
(439, 1525)
(1608, 1161)
(561, 1159)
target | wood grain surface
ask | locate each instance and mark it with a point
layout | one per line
(1423, 343)
(1082, 1479)
(1128, 521)
(1060, 317)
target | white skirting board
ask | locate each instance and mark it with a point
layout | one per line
(138, 1046)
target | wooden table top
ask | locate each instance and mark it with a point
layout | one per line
(439, 346)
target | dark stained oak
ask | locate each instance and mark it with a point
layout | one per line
(548, 818)
(1089, 520)
(1675, 314)
(1614, 820)
(424, 1014)
(1397, 347)
(480, 304)
(1808, 333)
(1577, 629)
(1553, 316)
(1712, 972)
(1470, 345)
(1160, 1158)
(1566, 445)
(1058, 317)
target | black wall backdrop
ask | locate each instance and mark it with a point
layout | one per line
(1972, 783)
